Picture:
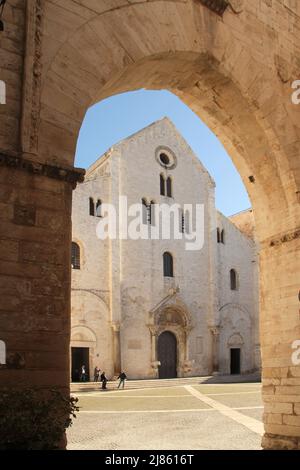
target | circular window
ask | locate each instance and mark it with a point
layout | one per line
(166, 158)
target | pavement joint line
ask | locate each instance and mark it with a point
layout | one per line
(133, 389)
(193, 410)
(146, 411)
(232, 393)
(102, 395)
(250, 423)
(134, 396)
(248, 408)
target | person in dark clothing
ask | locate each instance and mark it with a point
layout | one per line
(122, 377)
(96, 374)
(103, 379)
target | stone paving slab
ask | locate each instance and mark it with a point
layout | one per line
(168, 418)
(180, 431)
(140, 403)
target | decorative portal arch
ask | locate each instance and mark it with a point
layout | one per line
(235, 340)
(174, 318)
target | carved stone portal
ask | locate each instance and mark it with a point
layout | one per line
(174, 317)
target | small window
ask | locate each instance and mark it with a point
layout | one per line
(75, 256)
(99, 208)
(223, 237)
(181, 221)
(169, 187)
(218, 235)
(92, 207)
(168, 265)
(144, 212)
(162, 185)
(233, 279)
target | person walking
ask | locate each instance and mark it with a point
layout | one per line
(103, 379)
(122, 377)
(96, 374)
(83, 374)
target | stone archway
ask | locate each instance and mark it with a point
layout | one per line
(234, 71)
(171, 315)
(82, 338)
(88, 308)
(236, 329)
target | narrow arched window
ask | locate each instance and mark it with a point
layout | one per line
(181, 221)
(233, 279)
(162, 185)
(168, 265)
(186, 226)
(75, 256)
(218, 235)
(169, 187)
(144, 212)
(99, 208)
(223, 237)
(92, 206)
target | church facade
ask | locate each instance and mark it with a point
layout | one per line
(148, 305)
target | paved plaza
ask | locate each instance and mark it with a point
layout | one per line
(184, 416)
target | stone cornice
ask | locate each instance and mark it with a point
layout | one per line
(288, 237)
(69, 175)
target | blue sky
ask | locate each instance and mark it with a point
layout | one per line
(115, 118)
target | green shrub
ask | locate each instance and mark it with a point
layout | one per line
(34, 419)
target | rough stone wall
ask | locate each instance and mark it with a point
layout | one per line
(35, 279)
(11, 72)
(244, 221)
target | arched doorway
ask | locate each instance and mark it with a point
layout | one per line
(167, 355)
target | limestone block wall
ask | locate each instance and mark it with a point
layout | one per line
(94, 252)
(91, 328)
(238, 309)
(142, 281)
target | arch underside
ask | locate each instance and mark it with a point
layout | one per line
(234, 72)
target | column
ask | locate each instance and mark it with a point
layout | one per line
(35, 274)
(215, 331)
(116, 348)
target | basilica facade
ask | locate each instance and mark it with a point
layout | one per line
(157, 306)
